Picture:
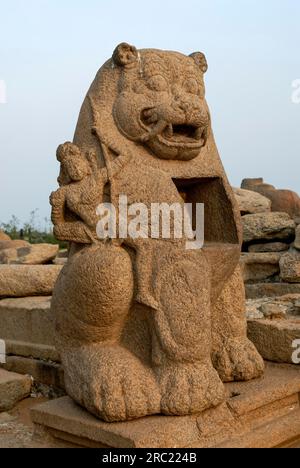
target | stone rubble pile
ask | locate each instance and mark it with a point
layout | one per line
(270, 262)
(271, 249)
(28, 274)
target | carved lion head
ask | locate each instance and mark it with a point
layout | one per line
(161, 101)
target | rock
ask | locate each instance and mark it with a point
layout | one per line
(268, 247)
(297, 240)
(274, 338)
(274, 311)
(27, 280)
(251, 202)
(253, 312)
(13, 388)
(271, 308)
(261, 290)
(27, 326)
(13, 244)
(36, 254)
(285, 201)
(290, 266)
(259, 266)
(268, 226)
(3, 236)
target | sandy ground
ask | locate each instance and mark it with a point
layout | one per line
(17, 430)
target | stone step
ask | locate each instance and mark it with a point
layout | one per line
(283, 432)
(47, 373)
(27, 327)
(263, 412)
(13, 388)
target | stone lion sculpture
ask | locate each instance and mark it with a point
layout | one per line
(145, 326)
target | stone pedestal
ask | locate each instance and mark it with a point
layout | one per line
(263, 413)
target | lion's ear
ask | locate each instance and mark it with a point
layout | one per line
(125, 54)
(200, 60)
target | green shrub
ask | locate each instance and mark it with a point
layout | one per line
(33, 231)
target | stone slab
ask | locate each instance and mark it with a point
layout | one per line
(274, 338)
(28, 280)
(47, 373)
(13, 388)
(259, 266)
(258, 290)
(267, 402)
(27, 326)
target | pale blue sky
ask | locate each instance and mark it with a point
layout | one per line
(50, 51)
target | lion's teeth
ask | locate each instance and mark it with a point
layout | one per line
(169, 131)
(198, 133)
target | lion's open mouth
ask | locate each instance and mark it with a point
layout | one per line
(176, 134)
(183, 133)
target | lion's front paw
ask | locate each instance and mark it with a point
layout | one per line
(238, 360)
(112, 383)
(189, 388)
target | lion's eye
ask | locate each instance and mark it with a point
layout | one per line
(157, 83)
(191, 86)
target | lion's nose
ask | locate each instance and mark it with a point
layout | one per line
(188, 107)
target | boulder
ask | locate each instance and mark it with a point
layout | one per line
(268, 226)
(259, 266)
(285, 201)
(28, 280)
(13, 388)
(3, 236)
(251, 202)
(268, 247)
(36, 254)
(290, 266)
